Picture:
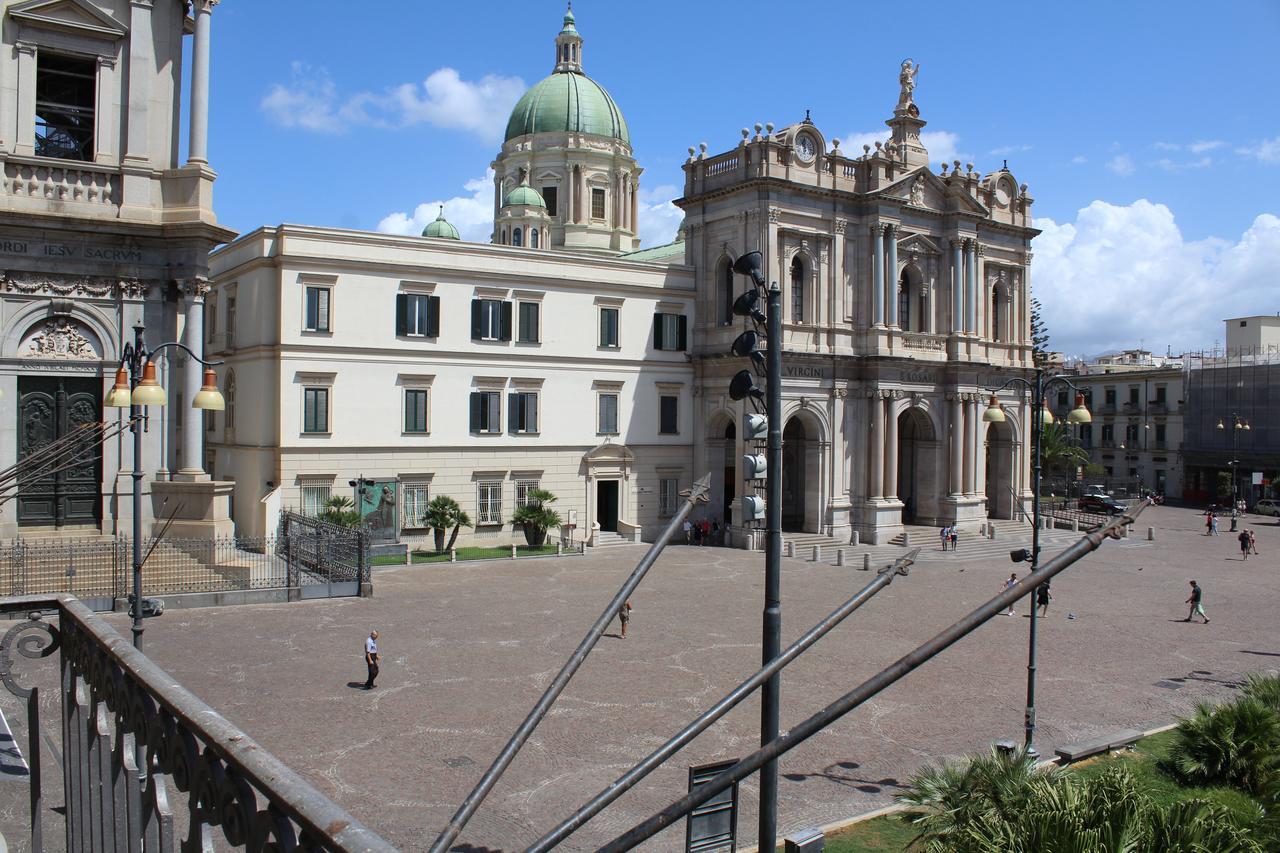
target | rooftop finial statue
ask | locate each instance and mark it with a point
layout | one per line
(907, 80)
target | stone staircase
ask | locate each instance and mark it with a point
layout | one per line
(608, 539)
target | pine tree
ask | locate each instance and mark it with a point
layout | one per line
(1039, 335)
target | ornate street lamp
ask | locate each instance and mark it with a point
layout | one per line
(136, 388)
(1238, 424)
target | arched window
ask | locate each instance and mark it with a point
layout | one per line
(503, 238)
(797, 291)
(533, 238)
(564, 50)
(515, 237)
(904, 302)
(573, 52)
(996, 331)
(727, 294)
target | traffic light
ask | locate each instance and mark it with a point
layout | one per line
(752, 508)
(755, 427)
(754, 466)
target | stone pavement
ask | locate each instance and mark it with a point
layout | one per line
(468, 647)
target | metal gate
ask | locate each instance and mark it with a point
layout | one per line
(324, 560)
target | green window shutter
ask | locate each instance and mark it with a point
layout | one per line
(657, 332)
(477, 408)
(433, 316)
(402, 314)
(477, 316)
(505, 333)
(683, 334)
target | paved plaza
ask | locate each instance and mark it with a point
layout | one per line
(468, 648)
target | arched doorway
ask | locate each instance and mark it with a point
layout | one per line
(794, 475)
(1001, 456)
(919, 482)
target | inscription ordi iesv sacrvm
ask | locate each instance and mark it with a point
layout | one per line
(69, 250)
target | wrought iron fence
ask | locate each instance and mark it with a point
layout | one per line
(143, 759)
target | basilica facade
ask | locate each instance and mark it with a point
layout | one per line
(562, 355)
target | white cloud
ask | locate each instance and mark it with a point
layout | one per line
(1266, 151)
(1119, 275)
(657, 217)
(1205, 145)
(1175, 166)
(1006, 150)
(1121, 164)
(1079, 159)
(311, 101)
(941, 144)
(471, 214)
(1168, 146)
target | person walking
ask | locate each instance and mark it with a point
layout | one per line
(624, 614)
(953, 537)
(1196, 600)
(945, 534)
(1213, 525)
(1244, 544)
(688, 531)
(1013, 579)
(1043, 597)
(371, 658)
(1208, 522)
(1253, 541)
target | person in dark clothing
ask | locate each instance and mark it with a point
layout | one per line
(1244, 544)
(1043, 597)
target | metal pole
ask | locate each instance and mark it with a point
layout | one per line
(135, 367)
(771, 630)
(557, 686)
(629, 779)
(1037, 426)
(869, 688)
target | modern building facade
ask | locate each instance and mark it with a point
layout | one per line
(105, 226)
(561, 354)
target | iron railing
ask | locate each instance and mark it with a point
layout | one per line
(143, 759)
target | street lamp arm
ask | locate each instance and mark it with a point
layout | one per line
(134, 357)
(148, 355)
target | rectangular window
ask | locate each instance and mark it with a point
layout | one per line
(529, 330)
(66, 91)
(523, 488)
(1161, 392)
(609, 328)
(414, 500)
(549, 196)
(315, 409)
(490, 320)
(417, 315)
(1062, 399)
(670, 332)
(231, 320)
(415, 410)
(1133, 395)
(668, 420)
(1131, 435)
(1160, 435)
(597, 203)
(486, 411)
(522, 410)
(1108, 435)
(317, 309)
(1086, 436)
(668, 494)
(210, 420)
(210, 317)
(314, 497)
(1109, 397)
(607, 419)
(489, 502)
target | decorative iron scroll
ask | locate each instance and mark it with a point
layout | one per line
(42, 641)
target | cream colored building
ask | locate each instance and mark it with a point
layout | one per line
(905, 299)
(104, 226)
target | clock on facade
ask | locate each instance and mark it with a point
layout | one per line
(806, 147)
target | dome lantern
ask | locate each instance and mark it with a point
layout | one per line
(568, 46)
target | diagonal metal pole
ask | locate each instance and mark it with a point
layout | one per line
(869, 688)
(468, 808)
(655, 759)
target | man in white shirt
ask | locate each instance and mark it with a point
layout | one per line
(371, 658)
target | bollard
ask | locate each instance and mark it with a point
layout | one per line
(854, 538)
(906, 539)
(559, 547)
(866, 562)
(839, 556)
(817, 553)
(453, 555)
(1151, 534)
(1075, 525)
(791, 549)
(991, 531)
(513, 550)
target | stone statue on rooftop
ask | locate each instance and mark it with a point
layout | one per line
(907, 82)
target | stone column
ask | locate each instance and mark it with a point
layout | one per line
(957, 286)
(105, 135)
(198, 143)
(877, 275)
(891, 276)
(875, 448)
(981, 304)
(979, 452)
(971, 287)
(957, 446)
(193, 422)
(890, 452)
(969, 432)
(635, 208)
(24, 141)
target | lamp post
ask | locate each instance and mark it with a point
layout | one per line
(1040, 416)
(1237, 424)
(769, 365)
(135, 389)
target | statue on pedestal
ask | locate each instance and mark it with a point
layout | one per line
(907, 82)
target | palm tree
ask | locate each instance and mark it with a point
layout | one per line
(1058, 453)
(441, 514)
(341, 511)
(1234, 744)
(536, 517)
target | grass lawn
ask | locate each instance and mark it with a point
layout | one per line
(501, 552)
(892, 832)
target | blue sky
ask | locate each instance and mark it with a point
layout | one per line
(1149, 133)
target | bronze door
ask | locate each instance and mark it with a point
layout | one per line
(67, 492)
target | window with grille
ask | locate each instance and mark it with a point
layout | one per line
(523, 488)
(66, 92)
(314, 497)
(489, 502)
(414, 500)
(415, 410)
(597, 203)
(486, 411)
(668, 495)
(529, 330)
(609, 328)
(316, 317)
(315, 410)
(607, 420)
(522, 409)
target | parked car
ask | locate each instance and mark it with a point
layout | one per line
(1102, 503)
(1267, 506)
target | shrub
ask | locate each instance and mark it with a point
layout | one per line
(1235, 744)
(1264, 688)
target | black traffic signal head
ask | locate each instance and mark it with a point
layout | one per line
(752, 264)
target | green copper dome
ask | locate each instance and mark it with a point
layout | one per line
(525, 194)
(441, 228)
(567, 101)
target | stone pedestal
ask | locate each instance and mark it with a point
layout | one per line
(880, 521)
(201, 509)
